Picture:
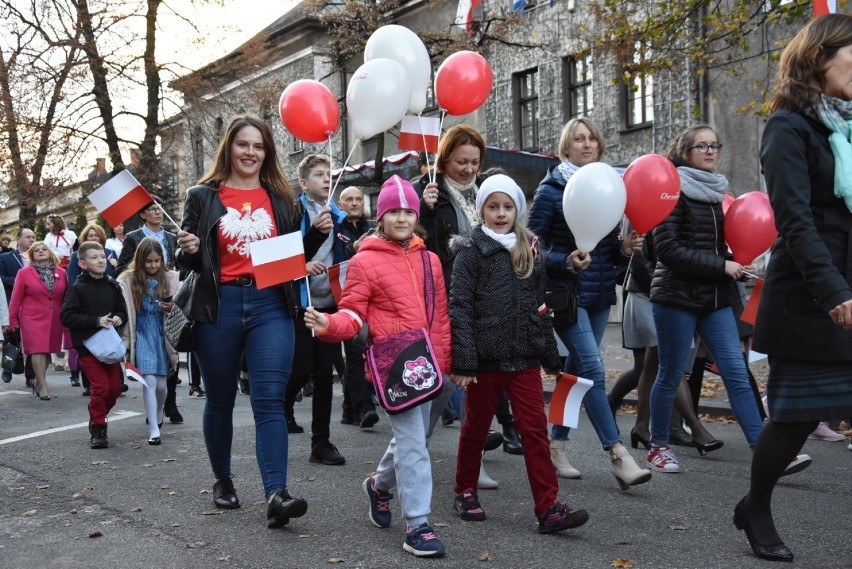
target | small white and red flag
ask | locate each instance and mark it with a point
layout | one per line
(133, 373)
(120, 198)
(823, 7)
(337, 279)
(278, 260)
(464, 14)
(566, 399)
(419, 133)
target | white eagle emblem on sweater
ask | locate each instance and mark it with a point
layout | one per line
(245, 226)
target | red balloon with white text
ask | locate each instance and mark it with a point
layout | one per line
(750, 227)
(309, 110)
(653, 188)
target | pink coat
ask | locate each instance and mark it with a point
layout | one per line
(384, 287)
(36, 311)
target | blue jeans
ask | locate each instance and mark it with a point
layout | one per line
(254, 322)
(675, 329)
(583, 340)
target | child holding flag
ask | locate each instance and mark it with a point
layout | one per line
(385, 289)
(148, 287)
(95, 302)
(502, 335)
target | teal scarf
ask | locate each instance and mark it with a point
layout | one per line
(836, 114)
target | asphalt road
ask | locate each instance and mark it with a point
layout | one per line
(137, 506)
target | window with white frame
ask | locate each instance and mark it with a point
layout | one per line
(579, 98)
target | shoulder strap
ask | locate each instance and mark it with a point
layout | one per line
(428, 285)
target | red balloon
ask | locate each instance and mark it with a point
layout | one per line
(653, 188)
(750, 227)
(309, 110)
(726, 203)
(463, 82)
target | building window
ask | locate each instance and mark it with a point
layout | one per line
(198, 151)
(297, 145)
(526, 100)
(579, 100)
(638, 93)
(220, 128)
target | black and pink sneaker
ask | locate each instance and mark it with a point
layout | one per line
(467, 506)
(560, 517)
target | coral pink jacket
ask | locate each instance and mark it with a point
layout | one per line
(384, 288)
(36, 311)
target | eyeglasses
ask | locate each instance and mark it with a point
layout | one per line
(704, 148)
(154, 209)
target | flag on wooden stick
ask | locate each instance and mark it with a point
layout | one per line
(823, 7)
(566, 399)
(419, 133)
(337, 279)
(120, 198)
(278, 260)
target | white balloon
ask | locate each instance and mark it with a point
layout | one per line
(377, 97)
(406, 48)
(593, 203)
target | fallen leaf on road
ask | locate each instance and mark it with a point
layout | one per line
(175, 525)
(679, 528)
(307, 478)
(29, 513)
(165, 487)
(196, 544)
(438, 461)
(622, 563)
(96, 534)
(17, 488)
(441, 525)
(43, 486)
(72, 511)
(485, 556)
(305, 535)
(213, 513)
(98, 462)
(136, 509)
(335, 560)
(78, 494)
(147, 465)
(369, 462)
(168, 460)
(172, 493)
(223, 558)
(206, 491)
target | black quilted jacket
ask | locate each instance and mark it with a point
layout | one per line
(691, 255)
(495, 315)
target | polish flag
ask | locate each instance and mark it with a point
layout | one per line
(823, 7)
(120, 198)
(464, 14)
(419, 133)
(566, 399)
(749, 315)
(133, 373)
(337, 279)
(278, 260)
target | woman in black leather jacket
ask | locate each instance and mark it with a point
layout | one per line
(243, 198)
(691, 289)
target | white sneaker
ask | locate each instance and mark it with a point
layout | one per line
(824, 433)
(662, 459)
(800, 463)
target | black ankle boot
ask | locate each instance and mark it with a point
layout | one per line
(511, 440)
(770, 551)
(281, 506)
(677, 434)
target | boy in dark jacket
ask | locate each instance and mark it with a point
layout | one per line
(94, 302)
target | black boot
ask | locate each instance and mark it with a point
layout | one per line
(677, 434)
(99, 436)
(511, 440)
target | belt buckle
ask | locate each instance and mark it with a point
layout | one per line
(245, 281)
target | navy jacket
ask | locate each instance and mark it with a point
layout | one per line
(10, 264)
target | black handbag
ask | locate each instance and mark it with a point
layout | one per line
(12, 360)
(180, 330)
(563, 303)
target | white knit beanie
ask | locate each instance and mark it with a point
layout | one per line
(505, 184)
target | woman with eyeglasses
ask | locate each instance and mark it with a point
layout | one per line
(691, 292)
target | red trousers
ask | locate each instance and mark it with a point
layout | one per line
(525, 393)
(105, 380)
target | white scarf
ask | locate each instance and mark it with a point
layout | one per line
(567, 169)
(507, 240)
(701, 185)
(465, 208)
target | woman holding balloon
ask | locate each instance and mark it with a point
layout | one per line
(588, 276)
(804, 323)
(691, 292)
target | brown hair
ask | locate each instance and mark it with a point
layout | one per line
(58, 223)
(801, 74)
(456, 136)
(98, 229)
(310, 162)
(87, 246)
(138, 276)
(568, 135)
(678, 150)
(54, 260)
(271, 175)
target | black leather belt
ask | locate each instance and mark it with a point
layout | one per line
(241, 281)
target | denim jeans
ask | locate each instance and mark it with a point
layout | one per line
(675, 330)
(583, 340)
(254, 322)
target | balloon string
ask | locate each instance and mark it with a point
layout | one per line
(425, 149)
(343, 170)
(330, 157)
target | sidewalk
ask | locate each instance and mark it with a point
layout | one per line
(617, 360)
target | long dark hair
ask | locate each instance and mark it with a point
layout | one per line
(271, 174)
(801, 74)
(138, 276)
